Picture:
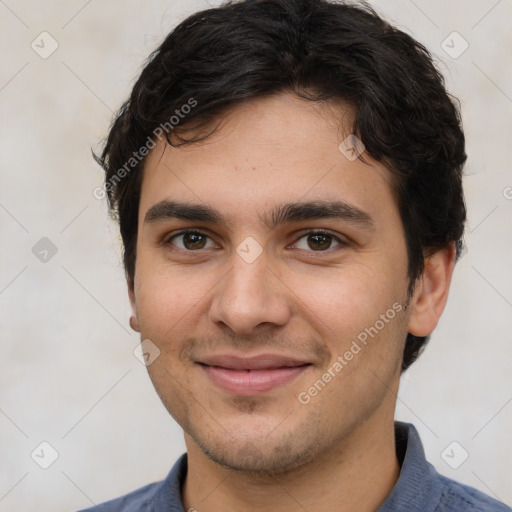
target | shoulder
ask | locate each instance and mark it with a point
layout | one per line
(139, 500)
(421, 488)
(164, 495)
(457, 497)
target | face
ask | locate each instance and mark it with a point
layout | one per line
(271, 275)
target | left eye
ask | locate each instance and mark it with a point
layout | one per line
(317, 241)
(192, 240)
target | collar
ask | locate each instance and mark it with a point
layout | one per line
(418, 488)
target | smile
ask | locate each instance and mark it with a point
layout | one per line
(252, 376)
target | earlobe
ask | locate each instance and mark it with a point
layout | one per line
(431, 292)
(134, 321)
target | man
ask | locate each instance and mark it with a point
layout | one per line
(287, 179)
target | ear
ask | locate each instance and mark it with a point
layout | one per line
(431, 291)
(134, 320)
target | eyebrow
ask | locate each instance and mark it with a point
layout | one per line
(281, 214)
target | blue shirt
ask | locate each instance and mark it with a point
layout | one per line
(420, 488)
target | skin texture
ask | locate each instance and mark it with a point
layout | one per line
(298, 298)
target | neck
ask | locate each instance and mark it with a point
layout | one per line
(356, 474)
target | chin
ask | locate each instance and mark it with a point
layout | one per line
(254, 452)
(249, 458)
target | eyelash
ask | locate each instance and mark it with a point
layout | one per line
(308, 232)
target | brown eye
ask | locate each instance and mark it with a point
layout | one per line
(318, 241)
(190, 241)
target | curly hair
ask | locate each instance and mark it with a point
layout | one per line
(220, 57)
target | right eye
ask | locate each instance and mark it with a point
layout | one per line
(191, 240)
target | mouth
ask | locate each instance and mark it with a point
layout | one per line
(249, 376)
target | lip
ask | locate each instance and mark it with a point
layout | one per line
(249, 376)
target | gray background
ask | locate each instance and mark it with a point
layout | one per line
(68, 375)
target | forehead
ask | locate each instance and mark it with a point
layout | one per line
(268, 151)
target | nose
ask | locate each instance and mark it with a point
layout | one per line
(250, 297)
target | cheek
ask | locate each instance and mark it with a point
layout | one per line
(343, 302)
(166, 300)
